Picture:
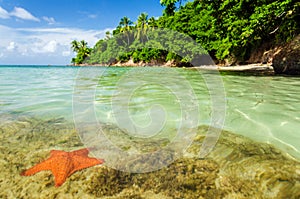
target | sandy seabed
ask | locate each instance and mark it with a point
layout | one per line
(236, 168)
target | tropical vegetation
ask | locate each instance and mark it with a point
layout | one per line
(227, 30)
(82, 50)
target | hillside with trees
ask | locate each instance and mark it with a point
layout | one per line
(230, 31)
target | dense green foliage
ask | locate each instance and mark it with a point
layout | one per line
(232, 29)
(82, 50)
(228, 30)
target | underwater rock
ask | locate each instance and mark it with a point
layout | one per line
(185, 178)
(237, 167)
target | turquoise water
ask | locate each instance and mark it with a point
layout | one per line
(264, 108)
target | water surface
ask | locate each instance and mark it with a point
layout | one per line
(263, 108)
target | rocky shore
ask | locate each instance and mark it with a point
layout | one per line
(255, 68)
(287, 59)
(283, 59)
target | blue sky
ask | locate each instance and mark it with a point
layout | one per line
(40, 31)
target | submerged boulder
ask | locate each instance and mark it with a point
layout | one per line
(287, 60)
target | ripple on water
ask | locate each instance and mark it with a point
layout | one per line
(268, 106)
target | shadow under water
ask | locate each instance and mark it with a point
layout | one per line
(236, 168)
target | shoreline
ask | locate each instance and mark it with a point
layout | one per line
(259, 69)
(256, 67)
(247, 67)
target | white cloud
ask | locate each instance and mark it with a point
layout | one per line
(92, 16)
(88, 14)
(19, 13)
(66, 53)
(23, 14)
(65, 36)
(50, 47)
(42, 45)
(11, 46)
(3, 13)
(49, 20)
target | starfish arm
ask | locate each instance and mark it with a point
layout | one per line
(60, 175)
(57, 152)
(61, 169)
(45, 165)
(84, 162)
(80, 152)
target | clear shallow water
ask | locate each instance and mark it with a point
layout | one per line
(264, 108)
(45, 91)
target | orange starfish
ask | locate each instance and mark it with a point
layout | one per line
(63, 164)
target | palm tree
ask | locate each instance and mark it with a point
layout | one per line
(143, 20)
(152, 22)
(125, 26)
(170, 6)
(82, 50)
(142, 25)
(75, 45)
(125, 23)
(82, 44)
